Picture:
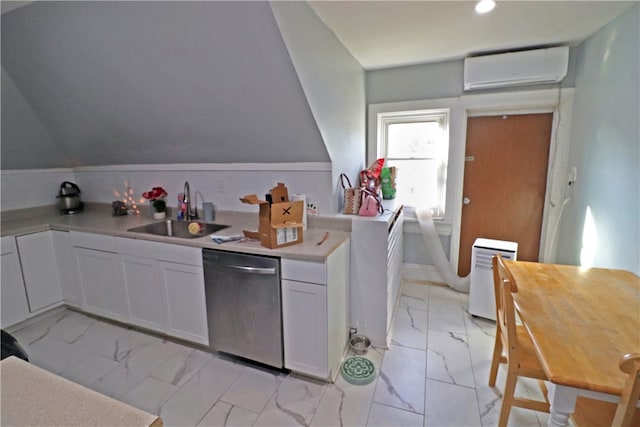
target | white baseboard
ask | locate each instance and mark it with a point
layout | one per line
(420, 272)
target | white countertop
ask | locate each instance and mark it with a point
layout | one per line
(97, 218)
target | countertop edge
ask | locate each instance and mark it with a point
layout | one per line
(312, 236)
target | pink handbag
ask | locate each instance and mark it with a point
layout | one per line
(371, 204)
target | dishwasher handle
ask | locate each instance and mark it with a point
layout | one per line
(271, 271)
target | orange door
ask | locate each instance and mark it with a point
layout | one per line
(505, 177)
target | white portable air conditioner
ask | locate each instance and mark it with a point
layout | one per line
(516, 68)
(482, 300)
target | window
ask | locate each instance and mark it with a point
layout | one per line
(417, 144)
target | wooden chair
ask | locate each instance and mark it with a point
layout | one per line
(513, 346)
(598, 413)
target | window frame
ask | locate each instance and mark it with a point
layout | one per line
(441, 115)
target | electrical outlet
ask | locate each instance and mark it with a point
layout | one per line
(312, 208)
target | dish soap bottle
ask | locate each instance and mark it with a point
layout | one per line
(181, 207)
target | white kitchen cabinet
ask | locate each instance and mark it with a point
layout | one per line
(13, 296)
(102, 283)
(144, 292)
(165, 288)
(186, 310)
(314, 313)
(39, 270)
(100, 275)
(376, 255)
(67, 269)
(304, 313)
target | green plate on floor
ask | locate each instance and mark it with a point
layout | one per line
(358, 370)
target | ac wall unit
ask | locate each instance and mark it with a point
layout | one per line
(516, 68)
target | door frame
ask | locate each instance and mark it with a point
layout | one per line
(557, 101)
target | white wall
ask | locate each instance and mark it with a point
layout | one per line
(29, 188)
(221, 184)
(334, 84)
(605, 147)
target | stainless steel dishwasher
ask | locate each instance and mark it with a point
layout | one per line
(243, 305)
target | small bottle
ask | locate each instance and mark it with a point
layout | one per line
(181, 206)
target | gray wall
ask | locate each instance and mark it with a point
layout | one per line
(334, 83)
(25, 140)
(415, 250)
(151, 83)
(605, 147)
(433, 81)
(605, 140)
(424, 82)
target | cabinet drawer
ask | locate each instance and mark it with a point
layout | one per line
(99, 242)
(159, 251)
(304, 271)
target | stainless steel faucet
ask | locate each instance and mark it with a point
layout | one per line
(190, 213)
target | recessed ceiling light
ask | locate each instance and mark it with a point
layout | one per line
(485, 6)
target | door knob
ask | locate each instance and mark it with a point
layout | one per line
(466, 201)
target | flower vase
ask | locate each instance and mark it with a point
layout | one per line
(159, 208)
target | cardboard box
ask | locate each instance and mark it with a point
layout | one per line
(280, 221)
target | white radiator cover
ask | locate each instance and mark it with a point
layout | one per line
(482, 301)
(376, 263)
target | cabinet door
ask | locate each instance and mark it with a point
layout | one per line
(39, 270)
(102, 283)
(14, 299)
(186, 311)
(304, 323)
(337, 305)
(145, 292)
(67, 268)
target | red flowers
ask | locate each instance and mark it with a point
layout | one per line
(155, 193)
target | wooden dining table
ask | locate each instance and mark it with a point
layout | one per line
(581, 321)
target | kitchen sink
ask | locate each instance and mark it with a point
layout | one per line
(175, 228)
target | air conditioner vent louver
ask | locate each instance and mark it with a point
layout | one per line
(528, 67)
(483, 259)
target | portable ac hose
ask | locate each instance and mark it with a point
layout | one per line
(436, 252)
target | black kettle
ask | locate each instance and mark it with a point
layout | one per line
(69, 198)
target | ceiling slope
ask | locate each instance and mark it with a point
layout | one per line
(152, 83)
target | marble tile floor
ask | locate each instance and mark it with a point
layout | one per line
(434, 373)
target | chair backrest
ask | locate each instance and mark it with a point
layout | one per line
(505, 285)
(630, 365)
